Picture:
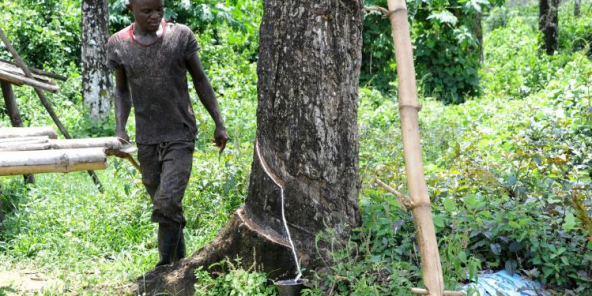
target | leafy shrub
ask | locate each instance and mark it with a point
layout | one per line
(527, 72)
(45, 33)
(575, 34)
(214, 16)
(236, 281)
(447, 53)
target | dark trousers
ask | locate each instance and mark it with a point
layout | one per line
(166, 168)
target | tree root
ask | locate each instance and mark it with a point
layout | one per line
(240, 238)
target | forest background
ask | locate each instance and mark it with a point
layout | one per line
(507, 142)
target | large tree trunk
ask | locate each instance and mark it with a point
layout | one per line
(577, 7)
(96, 77)
(310, 55)
(549, 24)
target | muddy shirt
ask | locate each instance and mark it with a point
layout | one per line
(157, 80)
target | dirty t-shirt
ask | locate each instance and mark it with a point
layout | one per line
(157, 80)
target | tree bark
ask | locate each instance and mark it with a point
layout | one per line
(577, 7)
(96, 77)
(549, 24)
(310, 58)
(478, 30)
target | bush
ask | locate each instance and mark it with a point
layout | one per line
(447, 53)
(45, 33)
(236, 281)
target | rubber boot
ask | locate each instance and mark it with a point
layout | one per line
(180, 252)
(169, 236)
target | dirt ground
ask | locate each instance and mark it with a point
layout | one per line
(26, 282)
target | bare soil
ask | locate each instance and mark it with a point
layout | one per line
(26, 282)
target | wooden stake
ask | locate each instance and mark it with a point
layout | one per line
(14, 115)
(409, 108)
(45, 102)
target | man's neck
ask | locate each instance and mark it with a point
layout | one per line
(147, 37)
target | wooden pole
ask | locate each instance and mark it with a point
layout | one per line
(25, 133)
(15, 70)
(11, 105)
(20, 80)
(409, 108)
(107, 143)
(40, 72)
(14, 115)
(51, 161)
(35, 139)
(45, 102)
(446, 293)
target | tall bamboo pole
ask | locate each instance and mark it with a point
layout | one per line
(409, 108)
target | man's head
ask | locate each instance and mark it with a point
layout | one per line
(147, 13)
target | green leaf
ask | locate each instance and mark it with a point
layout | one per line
(476, 5)
(511, 266)
(570, 222)
(439, 221)
(449, 204)
(445, 17)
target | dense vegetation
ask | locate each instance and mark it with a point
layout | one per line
(509, 170)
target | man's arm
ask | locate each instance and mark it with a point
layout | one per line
(208, 99)
(123, 103)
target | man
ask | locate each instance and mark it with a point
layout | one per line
(151, 59)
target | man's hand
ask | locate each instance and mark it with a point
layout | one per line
(124, 140)
(220, 137)
(123, 137)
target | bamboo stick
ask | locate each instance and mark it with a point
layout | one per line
(107, 143)
(40, 72)
(45, 102)
(12, 69)
(19, 132)
(446, 293)
(40, 139)
(51, 161)
(25, 147)
(11, 105)
(409, 108)
(32, 141)
(402, 200)
(4, 75)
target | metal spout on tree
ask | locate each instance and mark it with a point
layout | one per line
(409, 109)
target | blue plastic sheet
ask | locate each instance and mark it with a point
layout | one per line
(503, 284)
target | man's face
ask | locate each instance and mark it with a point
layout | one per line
(147, 13)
